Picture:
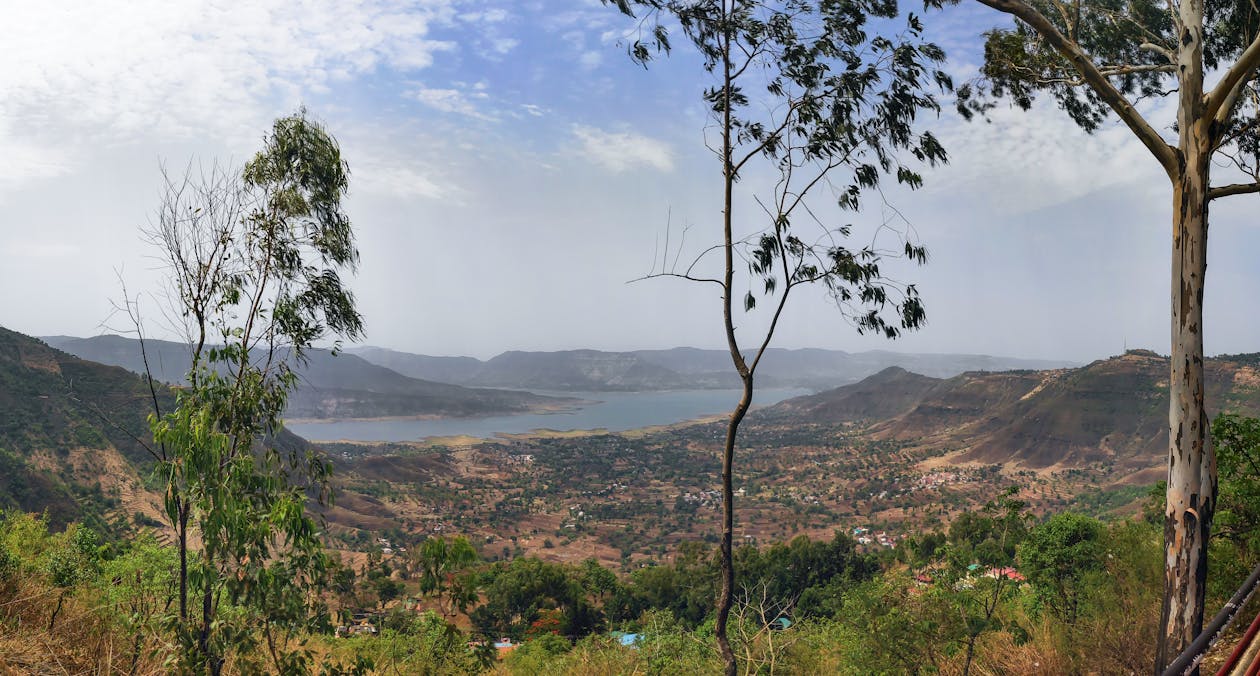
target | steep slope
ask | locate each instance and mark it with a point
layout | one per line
(70, 433)
(341, 386)
(1114, 410)
(1111, 411)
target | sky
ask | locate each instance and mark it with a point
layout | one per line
(512, 173)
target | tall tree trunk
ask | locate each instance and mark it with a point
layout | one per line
(1191, 494)
(726, 595)
(182, 510)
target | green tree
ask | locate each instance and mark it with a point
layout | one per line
(521, 591)
(812, 94)
(425, 643)
(253, 264)
(980, 543)
(141, 587)
(1097, 58)
(72, 562)
(897, 627)
(686, 587)
(1237, 441)
(1058, 557)
(443, 567)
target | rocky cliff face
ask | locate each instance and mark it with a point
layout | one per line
(1111, 411)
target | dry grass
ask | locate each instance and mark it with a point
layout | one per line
(82, 641)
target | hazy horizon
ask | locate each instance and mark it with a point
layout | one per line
(512, 170)
(891, 348)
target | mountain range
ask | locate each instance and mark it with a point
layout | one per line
(72, 437)
(678, 368)
(329, 386)
(1112, 411)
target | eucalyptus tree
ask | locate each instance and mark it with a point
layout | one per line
(1097, 58)
(444, 573)
(813, 96)
(253, 263)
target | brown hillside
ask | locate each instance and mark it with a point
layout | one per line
(886, 394)
(1110, 411)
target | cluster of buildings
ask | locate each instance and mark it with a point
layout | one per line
(883, 539)
(704, 497)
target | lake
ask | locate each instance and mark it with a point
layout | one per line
(613, 411)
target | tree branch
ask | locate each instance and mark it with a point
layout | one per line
(678, 275)
(1233, 189)
(1096, 80)
(1220, 101)
(1164, 51)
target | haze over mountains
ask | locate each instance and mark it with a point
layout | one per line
(341, 386)
(678, 368)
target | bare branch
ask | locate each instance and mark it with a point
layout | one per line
(677, 275)
(1233, 189)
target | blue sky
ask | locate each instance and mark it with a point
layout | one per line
(512, 170)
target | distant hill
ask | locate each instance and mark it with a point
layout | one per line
(1111, 411)
(341, 386)
(883, 395)
(75, 442)
(678, 368)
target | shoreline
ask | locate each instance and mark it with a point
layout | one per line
(577, 405)
(537, 433)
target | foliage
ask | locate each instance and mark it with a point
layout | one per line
(807, 577)
(254, 264)
(1058, 556)
(141, 591)
(1096, 59)
(443, 567)
(425, 644)
(1238, 463)
(891, 625)
(522, 592)
(813, 94)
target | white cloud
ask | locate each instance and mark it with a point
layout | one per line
(620, 151)
(101, 74)
(504, 45)
(399, 180)
(590, 60)
(495, 15)
(453, 100)
(1020, 161)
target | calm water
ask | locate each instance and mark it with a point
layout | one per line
(615, 411)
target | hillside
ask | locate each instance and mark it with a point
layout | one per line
(678, 368)
(70, 433)
(340, 386)
(1110, 411)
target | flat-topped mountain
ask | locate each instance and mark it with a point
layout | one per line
(678, 368)
(1112, 410)
(329, 386)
